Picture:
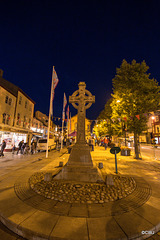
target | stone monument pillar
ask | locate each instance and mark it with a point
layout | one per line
(80, 166)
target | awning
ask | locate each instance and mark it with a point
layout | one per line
(73, 134)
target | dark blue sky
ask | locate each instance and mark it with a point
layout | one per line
(84, 40)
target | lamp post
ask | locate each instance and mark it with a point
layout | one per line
(154, 142)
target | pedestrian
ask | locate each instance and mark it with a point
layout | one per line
(20, 146)
(26, 150)
(98, 141)
(92, 143)
(105, 143)
(13, 148)
(23, 147)
(102, 142)
(33, 147)
(3, 145)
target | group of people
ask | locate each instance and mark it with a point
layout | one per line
(24, 148)
(104, 141)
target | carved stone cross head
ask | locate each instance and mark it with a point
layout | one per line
(82, 98)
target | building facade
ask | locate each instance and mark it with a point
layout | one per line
(16, 114)
(73, 125)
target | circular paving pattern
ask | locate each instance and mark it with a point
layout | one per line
(70, 192)
(133, 200)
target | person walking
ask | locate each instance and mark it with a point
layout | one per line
(23, 147)
(105, 143)
(92, 143)
(33, 147)
(2, 148)
(20, 146)
(13, 148)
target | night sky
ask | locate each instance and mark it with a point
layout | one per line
(84, 40)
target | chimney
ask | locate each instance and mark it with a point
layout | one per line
(1, 73)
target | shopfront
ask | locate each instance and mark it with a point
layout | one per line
(13, 138)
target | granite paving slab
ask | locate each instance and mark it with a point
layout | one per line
(105, 228)
(133, 229)
(70, 228)
(40, 222)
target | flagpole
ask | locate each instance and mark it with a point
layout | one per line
(70, 124)
(67, 125)
(51, 96)
(62, 133)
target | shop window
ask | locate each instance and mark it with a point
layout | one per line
(25, 104)
(4, 118)
(157, 118)
(6, 100)
(20, 100)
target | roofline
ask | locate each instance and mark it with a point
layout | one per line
(18, 89)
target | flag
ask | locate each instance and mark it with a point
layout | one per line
(64, 105)
(55, 78)
(64, 102)
(137, 116)
(67, 113)
(54, 84)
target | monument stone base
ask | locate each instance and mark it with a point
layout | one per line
(80, 166)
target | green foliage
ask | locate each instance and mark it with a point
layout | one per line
(104, 125)
(134, 94)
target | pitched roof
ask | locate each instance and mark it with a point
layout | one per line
(13, 89)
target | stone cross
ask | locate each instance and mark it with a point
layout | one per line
(81, 99)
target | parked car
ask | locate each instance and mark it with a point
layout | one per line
(42, 144)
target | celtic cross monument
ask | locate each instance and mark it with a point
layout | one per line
(79, 99)
(80, 166)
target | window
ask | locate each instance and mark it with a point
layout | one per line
(25, 104)
(4, 118)
(6, 100)
(29, 123)
(20, 100)
(157, 118)
(42, 141)
(24, 122)
(18, 119)
(10, 101)
(8, 118)
(30, 108)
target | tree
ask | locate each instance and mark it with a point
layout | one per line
(104, 125)
(134, 96)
